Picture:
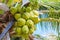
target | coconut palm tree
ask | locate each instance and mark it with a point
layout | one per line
(54, 8)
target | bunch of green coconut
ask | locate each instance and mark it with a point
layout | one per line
(25, 20)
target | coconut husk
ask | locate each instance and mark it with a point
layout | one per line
(4, 20)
